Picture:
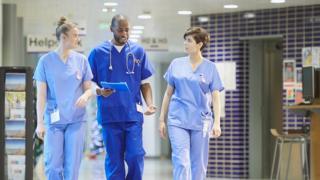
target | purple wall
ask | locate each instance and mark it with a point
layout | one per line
(299, 27)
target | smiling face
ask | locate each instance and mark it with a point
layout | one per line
(71, 38)
(120, 32)
(191, 46)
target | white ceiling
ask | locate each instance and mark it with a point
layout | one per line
(170, 7)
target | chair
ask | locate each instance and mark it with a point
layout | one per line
(282, 139)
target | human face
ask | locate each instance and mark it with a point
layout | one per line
(120, 32)
(71, 38)
(191, 46)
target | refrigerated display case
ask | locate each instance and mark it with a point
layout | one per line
(16, 123)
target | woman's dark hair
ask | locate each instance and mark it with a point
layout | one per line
(199, 35)
(63, 27)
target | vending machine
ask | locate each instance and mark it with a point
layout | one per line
(16, 123)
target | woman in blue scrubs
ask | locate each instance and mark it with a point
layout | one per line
(193, 85)
(63, 79)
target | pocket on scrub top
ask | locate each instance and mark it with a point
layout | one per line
(204, 87)
(203, 84)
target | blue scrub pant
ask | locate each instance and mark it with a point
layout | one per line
(63, 149)
(123, 141)
(189, 153)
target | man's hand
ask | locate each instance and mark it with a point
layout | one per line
(150, 110)
(104, 92)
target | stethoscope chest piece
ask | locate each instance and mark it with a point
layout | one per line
(131, 61)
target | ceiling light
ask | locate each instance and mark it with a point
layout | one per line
(110, 4)
(134, 36)
(136, 32)
(249, 15)
(184, 12)
(113, 10)
(138, 27)
(278, 1)
(203, 19)
(230, 6)
(104, 10)
(133, 39)
(145, 15)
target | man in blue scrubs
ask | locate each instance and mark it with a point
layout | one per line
(120, 113)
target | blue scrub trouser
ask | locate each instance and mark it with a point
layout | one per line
(123, 141)
(63, 149)
(189, 153)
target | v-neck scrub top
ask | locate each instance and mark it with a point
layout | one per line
(64, 85)
(192, 99)
(120, 106)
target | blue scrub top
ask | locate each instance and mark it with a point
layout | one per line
(192, 99)
(64, 85)
(120, 106)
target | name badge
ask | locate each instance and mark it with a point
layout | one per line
(55, 116)
(139, 108)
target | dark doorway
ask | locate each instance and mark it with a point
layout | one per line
(265, 102)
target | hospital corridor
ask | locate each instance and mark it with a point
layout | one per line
(159, 89)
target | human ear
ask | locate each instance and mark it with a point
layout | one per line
(200, 44)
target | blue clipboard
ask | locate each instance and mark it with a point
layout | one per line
(118, 86)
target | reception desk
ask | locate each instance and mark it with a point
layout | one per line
(314, 110)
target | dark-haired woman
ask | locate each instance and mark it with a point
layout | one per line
(63, 79)
(193, 84)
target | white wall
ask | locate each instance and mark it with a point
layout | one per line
(40, 17)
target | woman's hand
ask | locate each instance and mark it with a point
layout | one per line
(82, 101)
(163, 129)
(216, 131)
(40, 131)
(151, 109)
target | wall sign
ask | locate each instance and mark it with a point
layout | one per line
(37, 43)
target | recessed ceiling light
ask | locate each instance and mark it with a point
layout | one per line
(113, 10)
(104, 10)
(110, 4)
(134, 36)
(184, 12)
(203, 18)
(278, 1)
(144, 16)
(230, 6)
(138, 27)
(136, 32)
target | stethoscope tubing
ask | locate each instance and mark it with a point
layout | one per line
(129, 71)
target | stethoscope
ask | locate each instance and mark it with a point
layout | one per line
(134, 60)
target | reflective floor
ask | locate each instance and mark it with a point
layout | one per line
(155, 169)
(93, 169)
